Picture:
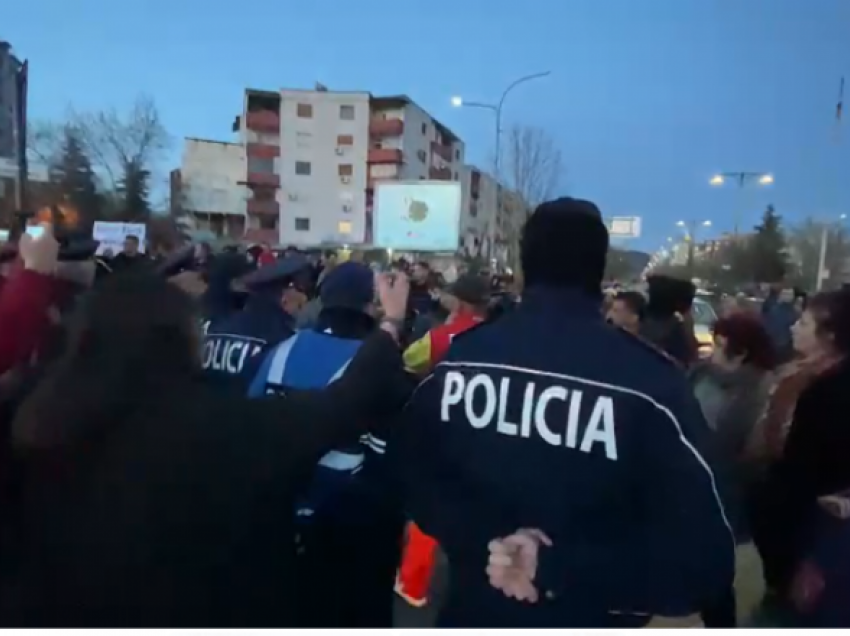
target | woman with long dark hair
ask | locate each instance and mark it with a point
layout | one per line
(149, 499)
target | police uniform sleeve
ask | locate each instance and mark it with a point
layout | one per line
(316, 420)
(679, 556)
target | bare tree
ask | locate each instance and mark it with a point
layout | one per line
(532, 164)
(117, 142)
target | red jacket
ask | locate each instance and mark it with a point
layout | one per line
(25, 298)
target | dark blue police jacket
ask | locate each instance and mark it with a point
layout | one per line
(235, 345)
(549, 418)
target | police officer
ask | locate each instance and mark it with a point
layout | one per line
(568, 453)
(234, 346)
(350, 526)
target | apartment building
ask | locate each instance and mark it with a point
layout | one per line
(12, 85)
(210, 185)
(305, 164)
(489, 211)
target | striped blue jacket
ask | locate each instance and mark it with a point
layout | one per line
(312, 360)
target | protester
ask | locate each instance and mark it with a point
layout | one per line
(779, 316)
(349, 525)
(153, 500)
(467, 301)
(732, 389)
(129, 257)
(627, 311)
(570, 451)
(25, 300)
(236, 344)
(806, 428)
(667, 323)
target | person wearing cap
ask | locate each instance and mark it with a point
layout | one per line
(467, 301)
(561, 463)
(350, 529)
(235, 344)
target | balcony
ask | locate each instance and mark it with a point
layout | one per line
(262, 151)
(256, 235)
(268, 179)
(440, 174)
(263, 208)
(384, 155)
(442, 151)
(263, 121)
(379, 128)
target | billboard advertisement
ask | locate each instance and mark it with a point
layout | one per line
(417, 216)
(624, 227)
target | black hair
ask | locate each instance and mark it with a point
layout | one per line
(565, 244)
(132, 237)
(128, 341)
(635, 301)
(668, 295)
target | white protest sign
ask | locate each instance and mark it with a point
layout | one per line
(111, 235)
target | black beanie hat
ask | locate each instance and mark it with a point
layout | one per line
(565, 244)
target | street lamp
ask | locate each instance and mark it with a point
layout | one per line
(742, 178)
(459, 102)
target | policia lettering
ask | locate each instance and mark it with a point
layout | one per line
(492, 404)
(228, 355)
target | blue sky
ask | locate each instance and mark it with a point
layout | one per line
(647, 98)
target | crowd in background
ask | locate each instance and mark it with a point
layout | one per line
(274, 438)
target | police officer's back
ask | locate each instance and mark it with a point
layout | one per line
(550, 419)
(235, 345)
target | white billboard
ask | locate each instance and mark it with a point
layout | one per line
(417, 216)
(624, 227)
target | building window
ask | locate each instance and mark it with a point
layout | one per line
(424, 129)
(305, 111)
(457, 154)
(345, 140)
(302, 225)
(345, 170)
(423, 156)
(303, 168)
(456, 177)
(344, 227)
(268, 222)
(346, 111)
(263, 166)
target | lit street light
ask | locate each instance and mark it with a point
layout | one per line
(459, 102)
(742, 179)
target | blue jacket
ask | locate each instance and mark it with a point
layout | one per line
(235, 345)
(312, 360)
(551, 419)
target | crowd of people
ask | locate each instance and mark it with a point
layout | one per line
(269, 440)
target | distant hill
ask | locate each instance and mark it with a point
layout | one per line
(636, 260)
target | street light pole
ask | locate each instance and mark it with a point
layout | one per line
(824, 243)
(497, 150)
(742, 178)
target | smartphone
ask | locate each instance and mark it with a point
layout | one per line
(35, 231)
